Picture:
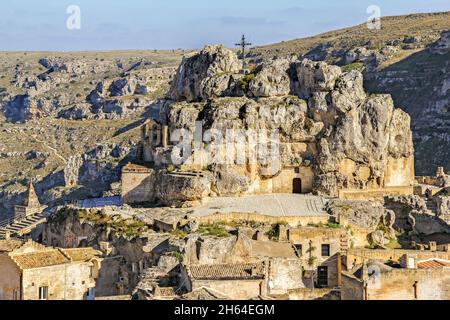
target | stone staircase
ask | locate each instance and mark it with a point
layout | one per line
(316, 205)
(21, 226)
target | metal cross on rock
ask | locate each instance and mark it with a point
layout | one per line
(243, 44)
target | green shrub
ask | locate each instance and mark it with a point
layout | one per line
(178, 255)
(353, 66)
(180, 234)
(244, 83)
(216, 230)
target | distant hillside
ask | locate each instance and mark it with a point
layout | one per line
(428, 26)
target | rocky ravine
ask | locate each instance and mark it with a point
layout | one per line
(67, 119)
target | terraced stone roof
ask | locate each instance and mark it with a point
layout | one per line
(433, 264)
(241, 271)
(81, 254)
(42, 259)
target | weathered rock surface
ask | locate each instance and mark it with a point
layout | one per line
(338, 124)
(316, 77)
(173, 188)
(273, 79)
(205, 75)
(443, 205)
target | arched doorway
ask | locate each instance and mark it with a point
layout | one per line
(297, 186)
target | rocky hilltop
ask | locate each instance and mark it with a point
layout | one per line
(408, 58)
(327, 122)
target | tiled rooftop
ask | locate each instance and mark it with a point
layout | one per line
(39, 259)
(9, 245)
(81, 254)
(228, 271)
(433, 264)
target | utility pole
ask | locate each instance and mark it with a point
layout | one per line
(243, 44)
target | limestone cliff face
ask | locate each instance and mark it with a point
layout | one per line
(328, 126)
(204, 75)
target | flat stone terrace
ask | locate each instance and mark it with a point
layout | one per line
(281, 205)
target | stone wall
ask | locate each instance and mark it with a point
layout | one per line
(285, 274)
(283, 182)
(380, 193)
(109, 276)
(137, 187)
(352, 288)
(9, 279)
(399, 172)
(64, 282)
(357, 256)
(293, 221)
(313, 294)
(400, 285)
(234, 289)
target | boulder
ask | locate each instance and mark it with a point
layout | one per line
(177, 188)
(230, 183)
(204, 75)
(316, 76)
(349, 91)
(273, 79)
(122, 87)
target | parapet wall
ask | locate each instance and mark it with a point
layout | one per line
(357, 256)
(375, 193)
(292, 221)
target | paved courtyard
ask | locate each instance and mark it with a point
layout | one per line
(269, 204)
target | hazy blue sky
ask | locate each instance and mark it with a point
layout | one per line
(166, 24)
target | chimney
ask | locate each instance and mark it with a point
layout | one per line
(8, 235)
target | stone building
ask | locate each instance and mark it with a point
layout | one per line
(412, 279)
(428, 186)
(31, 271)
(320, 250)
(237, 281)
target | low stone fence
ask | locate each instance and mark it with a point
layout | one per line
(375, 193)
(314, 294)
(292, 221)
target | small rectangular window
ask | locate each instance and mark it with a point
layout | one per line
(43, 293)
(325, 250)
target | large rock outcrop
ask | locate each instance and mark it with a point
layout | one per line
(325, 121)
(205, 75)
